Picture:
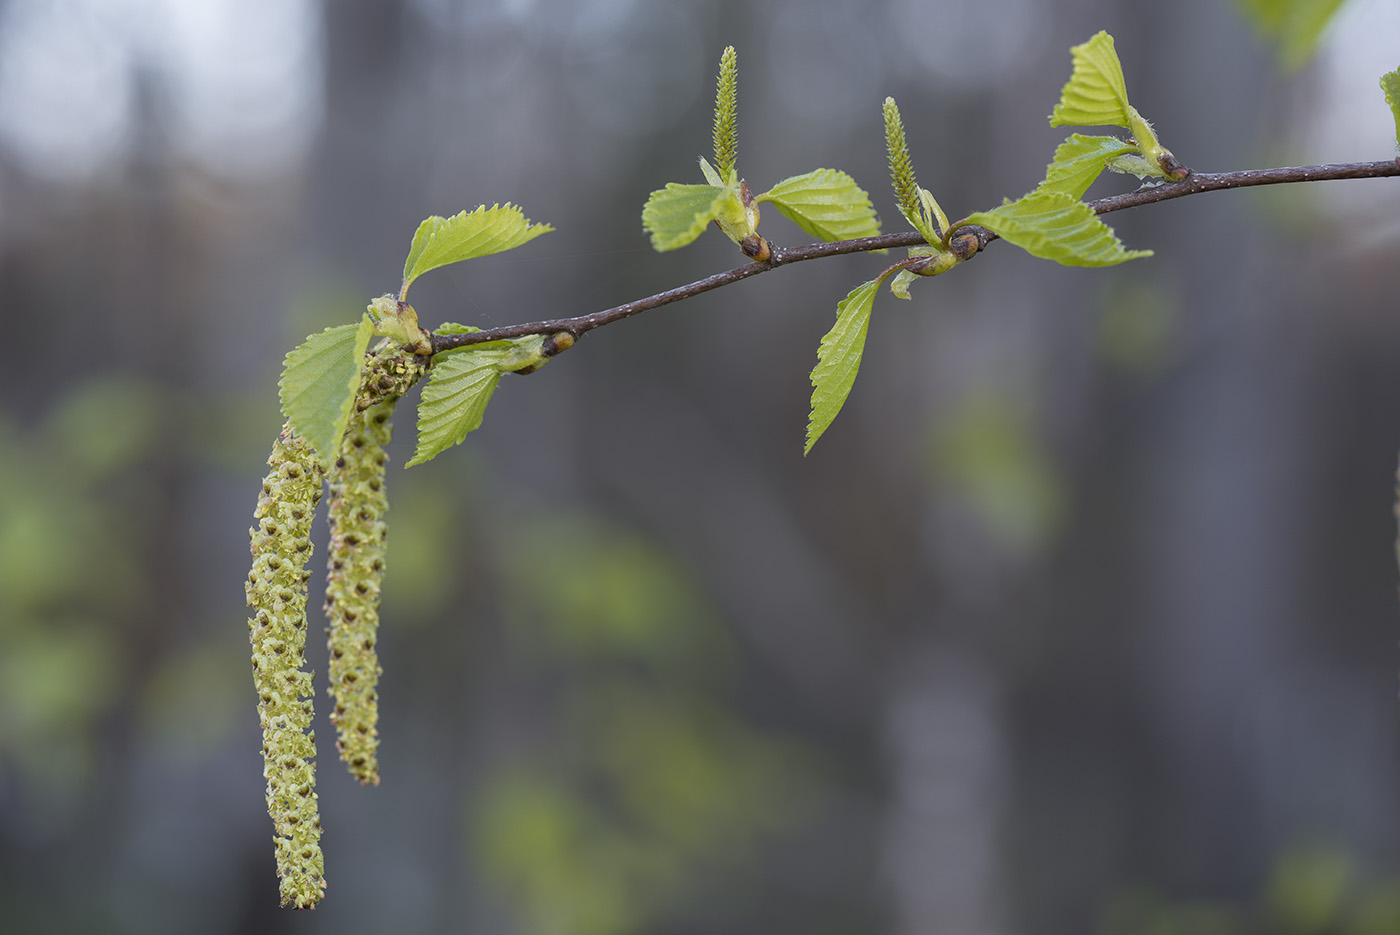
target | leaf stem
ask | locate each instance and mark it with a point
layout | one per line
(1193, 184)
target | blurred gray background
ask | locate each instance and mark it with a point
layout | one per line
(1080, 619)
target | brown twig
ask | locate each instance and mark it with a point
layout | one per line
(1193, 184)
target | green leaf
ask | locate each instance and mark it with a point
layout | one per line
(1054, 226)
(826, 203)
(1390, 84)
(838, 358)
(460, 385)
(726, 107)
(1095, 95)
(1078, 162)
(319, 380)
(677, 214)
(1295, 25)
(440, 241)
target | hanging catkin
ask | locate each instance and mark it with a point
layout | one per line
(356, 563)
(276, 592)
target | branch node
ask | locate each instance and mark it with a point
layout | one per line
(756, 248)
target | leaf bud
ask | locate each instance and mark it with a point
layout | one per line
(964, 245)
(557, 343)
(756, 248)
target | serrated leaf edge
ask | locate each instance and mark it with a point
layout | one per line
(862, 216)
(431, 227)
(859, 302)
(1035, 241)
(302, 354)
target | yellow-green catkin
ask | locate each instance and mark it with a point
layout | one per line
(726, 134)
(356, 565)
(276, 590)
(906, 190)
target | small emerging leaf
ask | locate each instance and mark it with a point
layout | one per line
(1095, 95)
(440, 241)
(398, 321)
(929, 212)
(677, 214)
(712, 176)
(1078, 162)
(1055, 226)
(899, 285)
(838, 358)
(1134, 163)
(460, 385)
(726, 107)
(826, 203)
(1390, 84)
(319, 380)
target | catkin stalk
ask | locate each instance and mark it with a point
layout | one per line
(276, 592)
(356, 564)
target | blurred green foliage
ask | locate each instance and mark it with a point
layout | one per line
(648, 780)
(1293, 25)
(988, 456)
(71, 535)
(574, 585)
(1308, 890)
(1137, 326)
(1312, 890)
(198, 697)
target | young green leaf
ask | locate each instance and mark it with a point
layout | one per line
(319, 379)
(1095, 95)
(1055, 226)
(838, 358)
(726, 108)
(677, 214)
(1078, 162)
(440, 241)
(826, 203)
(460, 385)
(1390, 84)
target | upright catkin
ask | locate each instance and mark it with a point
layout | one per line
(276, 591)
(356, 564)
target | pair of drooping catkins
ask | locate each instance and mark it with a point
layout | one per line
(276, 592)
